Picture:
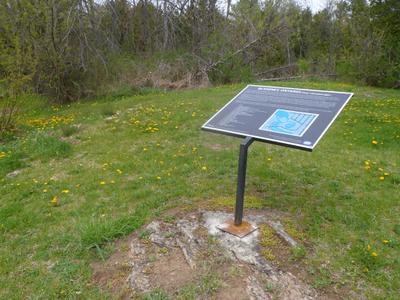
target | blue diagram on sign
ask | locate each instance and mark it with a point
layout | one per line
(289, 122)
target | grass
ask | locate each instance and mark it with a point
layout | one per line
(115, 174)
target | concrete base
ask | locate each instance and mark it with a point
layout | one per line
(238, 230)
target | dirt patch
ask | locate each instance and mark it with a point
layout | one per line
(172, 271)
(186, 256)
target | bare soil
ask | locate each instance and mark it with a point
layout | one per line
(184, 256)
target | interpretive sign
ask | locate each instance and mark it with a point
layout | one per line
(286, 116)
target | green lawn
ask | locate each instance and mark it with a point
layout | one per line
(94, 171)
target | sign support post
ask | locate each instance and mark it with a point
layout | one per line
(241, 180)
(239, 227)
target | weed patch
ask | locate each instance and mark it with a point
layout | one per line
(44, 147)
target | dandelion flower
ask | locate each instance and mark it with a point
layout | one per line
(102, 182)
(204, 168)
(44, 191)
(374, 142)
(119, 171)
(385, 241)
(374, 254)
(65, 191)
(54, 201)
(381, 177)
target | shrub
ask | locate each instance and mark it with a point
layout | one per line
(8, 116)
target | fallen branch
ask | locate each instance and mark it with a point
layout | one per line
(213, 65)
(280, 78)
(295, 77)
(276, 69)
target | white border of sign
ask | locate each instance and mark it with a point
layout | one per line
(273, 140)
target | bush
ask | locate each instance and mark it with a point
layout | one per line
(234, 70)
(304, 66)
(8, 116)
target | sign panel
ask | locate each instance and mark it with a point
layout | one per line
(285, 116)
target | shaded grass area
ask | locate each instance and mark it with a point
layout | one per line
(130, 160)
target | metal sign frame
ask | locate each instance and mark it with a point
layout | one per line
(270, 140)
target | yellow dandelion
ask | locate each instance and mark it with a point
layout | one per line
(381, 177)
(374, 142)
(119, 171)
(102, 182)
(369, 247)
(65, 191)
(158, 177)
(204, 168)
(374, 254)
(385, 241)
(386, 174)
(54, 201)
(44, 191)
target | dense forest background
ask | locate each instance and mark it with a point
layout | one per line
(70, 49)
